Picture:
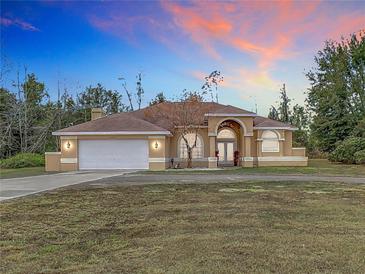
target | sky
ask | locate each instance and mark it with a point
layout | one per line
(256, 45)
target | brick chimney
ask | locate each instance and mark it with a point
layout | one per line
(96, 113)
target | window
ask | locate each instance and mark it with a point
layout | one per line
(270, 141)
(226, 134)
(197, 151)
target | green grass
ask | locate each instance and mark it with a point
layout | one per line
(315, 167)
(22, 172)
(251, 227)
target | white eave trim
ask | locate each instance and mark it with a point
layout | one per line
(270, 128)
(60, 133)
(231, 114)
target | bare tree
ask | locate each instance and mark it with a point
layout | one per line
(210, 86)
(139, 89)
(186, 116)
(129, 94)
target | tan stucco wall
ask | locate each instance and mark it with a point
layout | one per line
(254, 144)
(214, 122)
(52, 161)
(69, 167)
(288, 143)
(168, 147)
(300, 151)
(174, 153)
(69, 154)
(157, 166)
(157, 155)
(285, 144)
(161, 149)
(198, 164)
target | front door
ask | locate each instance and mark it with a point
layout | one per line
(225, 153)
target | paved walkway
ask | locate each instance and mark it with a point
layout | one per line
(143, 179)
(17, 187)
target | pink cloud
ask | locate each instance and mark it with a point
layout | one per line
(266, 31)
(7, 22)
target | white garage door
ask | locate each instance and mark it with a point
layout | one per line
(113, 154)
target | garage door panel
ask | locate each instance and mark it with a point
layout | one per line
(113, 154)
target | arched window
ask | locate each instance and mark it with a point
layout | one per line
(226, 134)
(270, 141)
(198, 151)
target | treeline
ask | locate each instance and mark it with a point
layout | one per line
(28, 116)
(332, 123)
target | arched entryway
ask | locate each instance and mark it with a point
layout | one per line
(229, 134)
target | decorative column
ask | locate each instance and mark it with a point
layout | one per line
(281, 147)
(212, 159)
(248, 159)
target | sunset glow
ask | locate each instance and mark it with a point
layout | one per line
(256, 45)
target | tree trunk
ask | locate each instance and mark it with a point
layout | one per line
(190, 154)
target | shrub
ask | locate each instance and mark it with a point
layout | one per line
(345, 151)
(360, 157)
(23, 160)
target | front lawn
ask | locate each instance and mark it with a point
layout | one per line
(22, 172)
(315, 167)
(251, 227)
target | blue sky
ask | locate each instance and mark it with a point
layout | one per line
(256, 45)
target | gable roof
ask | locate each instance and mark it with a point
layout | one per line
(122, 123)
(227, 110)
(153, 113)
(142, 122)
(263, 122)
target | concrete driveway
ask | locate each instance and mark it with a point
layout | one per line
(17, 187)
(148, 179)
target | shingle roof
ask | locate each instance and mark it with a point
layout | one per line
(228, 109)
(153, 113)
(142, 120)
(113, 123)
(266, 122)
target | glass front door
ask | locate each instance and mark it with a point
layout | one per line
(225, 153)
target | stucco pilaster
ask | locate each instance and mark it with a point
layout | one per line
(212, 146)
(248, 146)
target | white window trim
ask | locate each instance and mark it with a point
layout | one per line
(277, 149)
(179, 146)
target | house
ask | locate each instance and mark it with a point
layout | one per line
(147, 139)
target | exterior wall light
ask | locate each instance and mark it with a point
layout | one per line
(156, 145)
(68, 145)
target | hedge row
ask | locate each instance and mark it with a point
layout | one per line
(23, 160)
(350, 151)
